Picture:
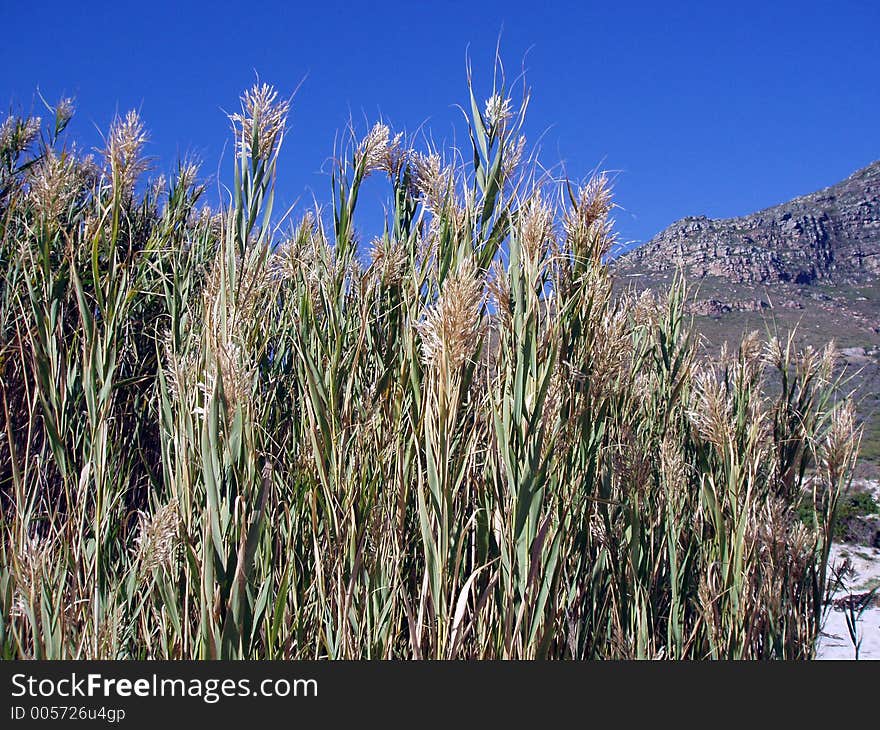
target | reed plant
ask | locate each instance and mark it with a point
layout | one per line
(222, 437)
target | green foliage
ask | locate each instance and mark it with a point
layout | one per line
(860, 504)
(224, 441)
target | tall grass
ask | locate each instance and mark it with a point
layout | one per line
(221, 440)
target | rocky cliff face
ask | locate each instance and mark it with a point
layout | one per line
(809, 267)
(831, 236)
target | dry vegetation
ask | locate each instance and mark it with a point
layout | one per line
(220, 441)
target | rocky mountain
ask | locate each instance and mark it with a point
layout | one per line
(830, 236)
(810, 266)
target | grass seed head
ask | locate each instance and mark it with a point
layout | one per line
(380, 151)
(54, 184)
(16, 134)
(498, 285)
(64, 111)
(433, 180)
(535, 229)
(840, 443)
(750, 351)
(513, 156)
(498, 111)
(388, 260)
(31, 563)
(124, 150)
(453, 325)
(587, 229)
(159, 537)
(712, 413)
(260, 124)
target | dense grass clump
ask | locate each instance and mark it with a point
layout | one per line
(220, 441)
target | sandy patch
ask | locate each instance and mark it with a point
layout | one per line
(835, 641)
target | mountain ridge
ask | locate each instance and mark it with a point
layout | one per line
(809, 266)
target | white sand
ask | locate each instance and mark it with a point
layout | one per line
(835, 641)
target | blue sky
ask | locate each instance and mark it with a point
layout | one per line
(696, 108)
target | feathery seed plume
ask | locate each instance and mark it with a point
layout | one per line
(498, 111)
(841, 442)
(453, 325)
(535, 228)
(388, 260)
(54, 184)
(379, 151)
(159, 537)
(16, 133)
(123, 152)
(433, 180)
(712, 413)
(586, 225)
(260, 124)
(513, 155)
(498, 286)
(64, 110)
